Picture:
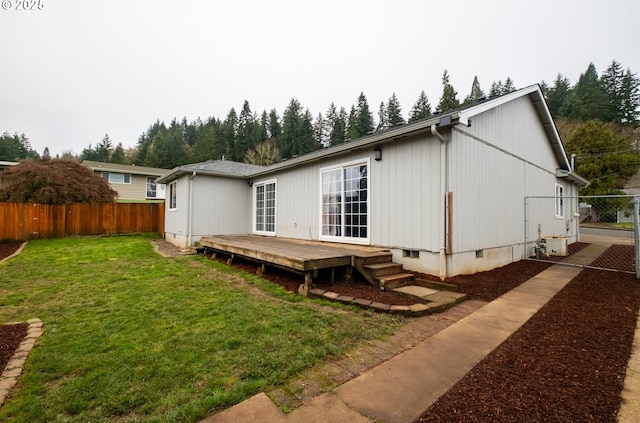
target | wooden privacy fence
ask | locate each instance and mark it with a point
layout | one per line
(23, 221)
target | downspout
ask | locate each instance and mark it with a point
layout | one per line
(190, 212)
(443, 205)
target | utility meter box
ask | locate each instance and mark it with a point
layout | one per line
(556, 245)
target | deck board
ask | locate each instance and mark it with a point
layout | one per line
(295, 254)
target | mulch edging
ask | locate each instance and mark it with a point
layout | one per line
(18, 251)
(445, 300)
(13, 369)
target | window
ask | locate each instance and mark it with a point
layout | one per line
(172, 196)
(151, 187)
(265, 211)
(117, 178)
(559, 201)
(345, 202)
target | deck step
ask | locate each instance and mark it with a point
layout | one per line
(383, 269)
(395, 280)
(374, 258)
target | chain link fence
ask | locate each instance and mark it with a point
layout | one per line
(596, 231)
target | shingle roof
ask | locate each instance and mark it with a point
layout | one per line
(226, 168)
(112, 167)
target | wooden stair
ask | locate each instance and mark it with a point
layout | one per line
(380, 271)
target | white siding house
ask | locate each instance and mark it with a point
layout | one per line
(445, 194)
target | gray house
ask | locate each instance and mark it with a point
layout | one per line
(444, 194)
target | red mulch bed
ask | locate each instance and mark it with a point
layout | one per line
(10, 338)
(566, 364)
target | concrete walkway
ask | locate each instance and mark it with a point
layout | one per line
(400, 389)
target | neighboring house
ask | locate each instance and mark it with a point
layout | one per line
(131, 182)
(5, 165)
(445, 194)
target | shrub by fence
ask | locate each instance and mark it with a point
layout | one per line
(23, 221)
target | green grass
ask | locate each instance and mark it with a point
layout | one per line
(132, 336)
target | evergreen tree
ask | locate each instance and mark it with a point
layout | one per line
(630, 104)
(588, 99)
(297, 131)
(364, 118)
(46, 154)
(352, 129)
(475, 94)
(496, 90)
(188, 132)
(509, 86)
(209, 143)
(144, 143)
(612, 83)
(274, 129)
(14, 148)
(118, 154)
(449, 99)
(394, 111)
(228, 133)
(247, 132)
(263, 130)
(383, 118)
(320, 130)
(422, 108)
(558, 96)
(336, 122)
(103, 149)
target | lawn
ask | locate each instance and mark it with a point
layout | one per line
(133, 336)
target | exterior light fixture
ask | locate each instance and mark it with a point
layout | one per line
(377, 154)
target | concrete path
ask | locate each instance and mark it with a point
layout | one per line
(400, 389)
(630, 407)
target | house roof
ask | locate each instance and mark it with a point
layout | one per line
(442, 120)
(119, 168)
(225, 168)
(7, 164)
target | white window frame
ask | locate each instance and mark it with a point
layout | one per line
(559, 202)
(173, 196)
(151, 181)
(342, 238)
(111, 178)
(264, 184)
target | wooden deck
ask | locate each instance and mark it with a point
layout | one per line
(294, 254)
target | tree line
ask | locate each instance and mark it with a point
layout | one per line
(266, 138)
(611, 100)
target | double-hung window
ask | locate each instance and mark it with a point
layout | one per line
(173, 205)
(265, 208)
(559, 202)
(151, 187)
(345, 202)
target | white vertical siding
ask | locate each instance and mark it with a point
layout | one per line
(490, 179)
(220, 206)
(176, 221)
(403, 195)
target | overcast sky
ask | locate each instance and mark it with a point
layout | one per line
(77, 70)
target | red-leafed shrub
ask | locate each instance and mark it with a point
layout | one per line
(53, 181)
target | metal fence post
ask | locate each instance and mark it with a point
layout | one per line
(636, 233)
